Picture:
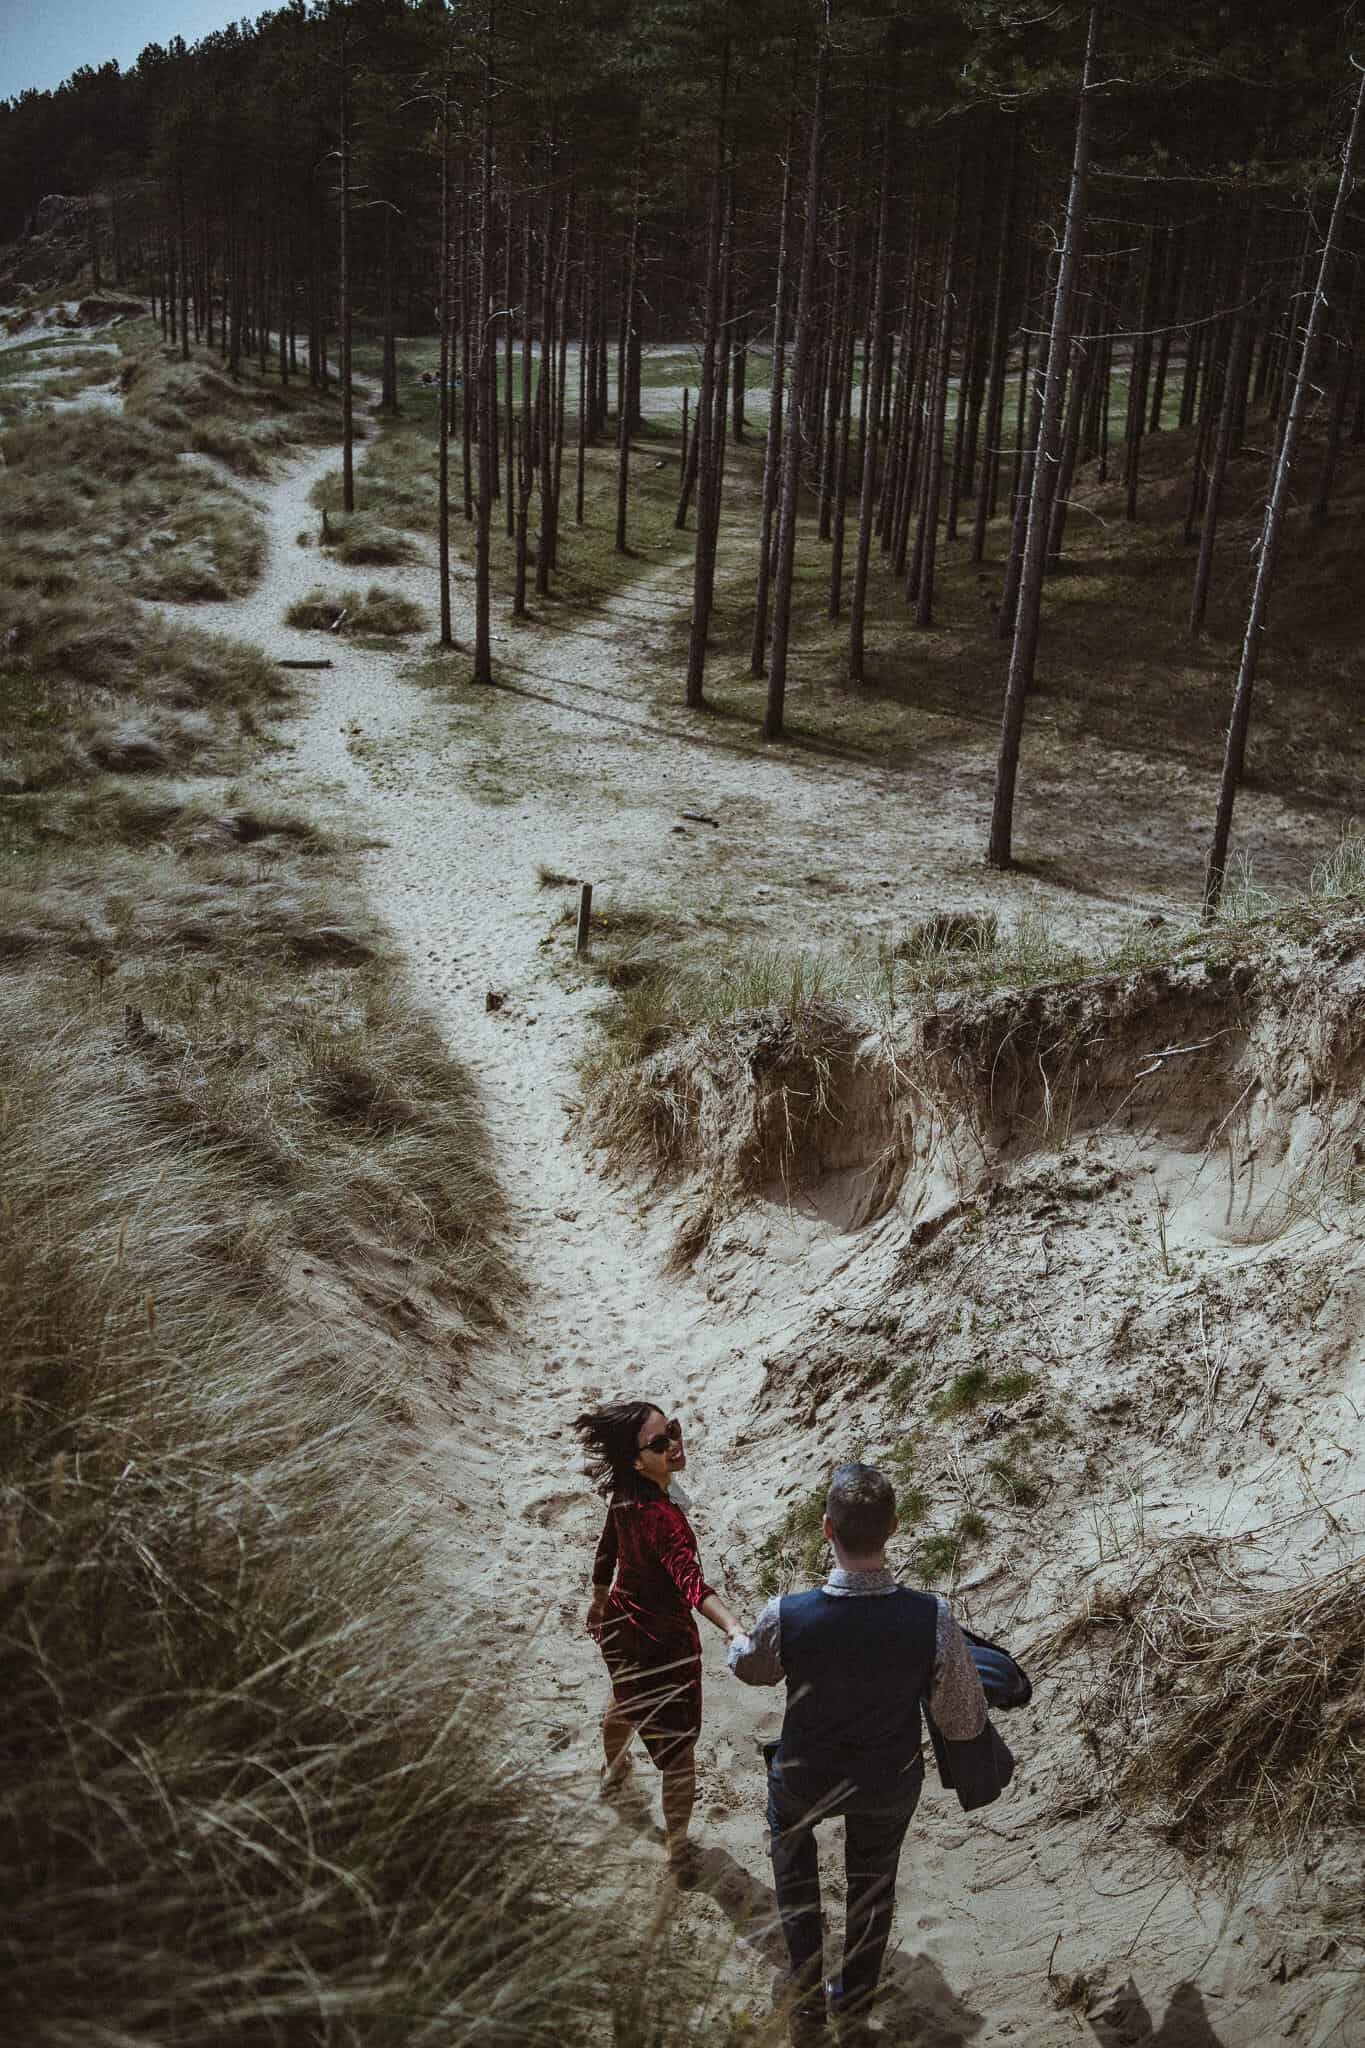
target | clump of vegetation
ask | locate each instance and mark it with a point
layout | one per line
(359, 542)
(241, 422)
(935, 1558)
(1018, 1484)
(797, 1547)
(376, 613)
(977, 1384)
(1237, 1713)
(97, 485)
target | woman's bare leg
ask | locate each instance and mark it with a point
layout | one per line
(679, 1796)
(616, 1734)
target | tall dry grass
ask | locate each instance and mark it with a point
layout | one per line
(250, 1794)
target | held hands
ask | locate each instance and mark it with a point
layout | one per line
(739, 1646)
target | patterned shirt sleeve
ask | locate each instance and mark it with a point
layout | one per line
(677, 1553)
(757, 1657)
(956, 1700)
(604, 1564)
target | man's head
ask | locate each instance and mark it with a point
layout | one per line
(860, 1511)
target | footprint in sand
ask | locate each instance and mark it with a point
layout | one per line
(550, 1508)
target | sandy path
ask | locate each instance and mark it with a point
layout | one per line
(462, 792)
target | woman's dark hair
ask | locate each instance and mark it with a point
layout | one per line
(611, 1442)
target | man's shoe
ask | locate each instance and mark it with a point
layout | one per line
(806, 2030)
(806, 2019)
(851, 2028)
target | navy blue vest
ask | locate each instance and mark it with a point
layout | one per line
(857, 1668)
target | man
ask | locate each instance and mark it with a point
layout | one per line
(859, 1656)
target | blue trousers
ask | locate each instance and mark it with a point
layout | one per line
(874, 1828)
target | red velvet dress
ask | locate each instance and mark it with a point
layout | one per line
(649, 1640)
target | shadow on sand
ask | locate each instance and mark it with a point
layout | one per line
(1128, 2024)
(917, 2004)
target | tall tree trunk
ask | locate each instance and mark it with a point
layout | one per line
(443, 399)
(468, 372)
(999, 355)
(184, 271)
(1025, 474)
(839, 523)
(924, 606)
(623, 420)
(507, 374)
(758, 645)
(525, 483)
(702, 448)
(388, 393)
(561, 319)
(1234, 376)
(545, 387)
(1025, 646)
(872, 392)
(740, 374)
(483, 651)
(344, 276)
(784, 569)
(583, 352)
(1139, 368)
(1082, 364)
(1234, 757)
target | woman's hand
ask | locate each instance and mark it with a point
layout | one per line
(597, 1608)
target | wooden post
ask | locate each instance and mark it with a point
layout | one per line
(584, 939)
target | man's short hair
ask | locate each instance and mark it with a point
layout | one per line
(861, 1505)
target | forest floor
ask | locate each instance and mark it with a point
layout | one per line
(1030, 1924)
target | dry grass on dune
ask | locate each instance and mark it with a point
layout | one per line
(1238, 1714)
(102, 485)
(355, 614)
(251, 1796)
(254, 1012)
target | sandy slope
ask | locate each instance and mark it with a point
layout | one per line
(462, 795)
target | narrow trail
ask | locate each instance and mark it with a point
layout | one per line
(452, 870)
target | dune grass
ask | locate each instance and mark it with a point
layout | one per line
(375, 613)
(1235, 1709)
(253, 1797)
(88, 682)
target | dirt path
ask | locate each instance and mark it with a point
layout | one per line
(461, 793)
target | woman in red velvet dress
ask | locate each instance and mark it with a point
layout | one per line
(646, 1582)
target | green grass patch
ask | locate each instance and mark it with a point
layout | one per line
(978, 1384)
(796, 1549)
(935, 1559)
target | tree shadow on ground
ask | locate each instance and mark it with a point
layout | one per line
(1128, 2024)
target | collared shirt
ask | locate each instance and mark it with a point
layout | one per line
(955, 1698)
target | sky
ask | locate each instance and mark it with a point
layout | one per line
(44, 41)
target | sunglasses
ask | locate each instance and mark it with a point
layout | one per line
(670, 1434)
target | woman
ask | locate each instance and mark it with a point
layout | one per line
(643, 1622)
